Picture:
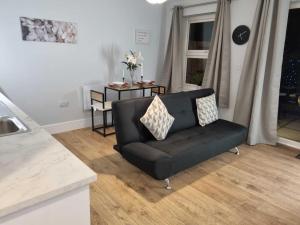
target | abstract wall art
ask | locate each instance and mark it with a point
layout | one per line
(48, 30)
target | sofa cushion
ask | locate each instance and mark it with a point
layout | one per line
(207, 110)
(180, 107)
(157, 119)
(196, 144)
(127, 114)
(193, 95)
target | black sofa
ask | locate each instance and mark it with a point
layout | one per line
(187, 142)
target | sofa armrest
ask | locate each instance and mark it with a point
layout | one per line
(151, 160)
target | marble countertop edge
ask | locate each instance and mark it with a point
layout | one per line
(20, 156)
(6, 212)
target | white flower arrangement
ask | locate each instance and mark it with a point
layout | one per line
(133, 60)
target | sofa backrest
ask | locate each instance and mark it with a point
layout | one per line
(127, 114)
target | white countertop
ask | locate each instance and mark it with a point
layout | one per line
(34, 167)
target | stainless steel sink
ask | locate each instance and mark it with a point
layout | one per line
(9, 123)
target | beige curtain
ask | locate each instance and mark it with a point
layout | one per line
(258, 94)
(217, 72)
(172, 77)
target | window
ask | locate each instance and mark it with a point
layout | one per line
(198, 37)
(289, 98)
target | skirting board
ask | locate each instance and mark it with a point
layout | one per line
(290, 143)
(69, 125)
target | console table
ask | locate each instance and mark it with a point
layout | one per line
(135, 87)
(99, 102)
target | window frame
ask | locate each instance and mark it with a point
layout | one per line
(295, 5)
(197, 54)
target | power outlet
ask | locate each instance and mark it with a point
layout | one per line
(64, 104)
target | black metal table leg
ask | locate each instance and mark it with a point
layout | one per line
(92, 112)
(105, 92)
(93, 123)
(104, 122)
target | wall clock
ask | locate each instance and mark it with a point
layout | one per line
(241, 34)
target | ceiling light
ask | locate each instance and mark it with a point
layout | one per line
(156, 1)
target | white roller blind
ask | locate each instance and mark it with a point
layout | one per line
(200, 9)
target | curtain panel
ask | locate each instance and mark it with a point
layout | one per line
(258, 93)
(172, 77)
(217, 71)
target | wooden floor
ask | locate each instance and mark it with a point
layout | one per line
(261, 186)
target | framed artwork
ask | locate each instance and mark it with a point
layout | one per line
(142, 36)
(48, 30)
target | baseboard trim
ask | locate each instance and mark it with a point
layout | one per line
(67, 126)
(290, 143)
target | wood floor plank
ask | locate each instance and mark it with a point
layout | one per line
(261, 187)
(268, 189)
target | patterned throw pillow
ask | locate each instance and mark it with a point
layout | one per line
(207, 110)
(157, 119)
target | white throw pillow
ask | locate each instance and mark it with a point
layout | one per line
(207, 110)
(157, 119)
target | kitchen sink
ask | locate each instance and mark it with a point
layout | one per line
(9, 123)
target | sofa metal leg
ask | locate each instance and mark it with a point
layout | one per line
(237, 151)
(168, 186)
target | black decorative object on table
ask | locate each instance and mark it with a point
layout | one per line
(241, 34)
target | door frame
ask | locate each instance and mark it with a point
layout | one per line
(295, 5)
(281, 140)
(288, 142)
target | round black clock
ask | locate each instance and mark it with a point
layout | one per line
(241, 34)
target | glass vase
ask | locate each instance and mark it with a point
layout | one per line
(131, 73)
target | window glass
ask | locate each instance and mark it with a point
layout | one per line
(200, 35)
(195, 70)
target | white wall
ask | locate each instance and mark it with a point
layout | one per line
(242, 13)
(37, 76)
